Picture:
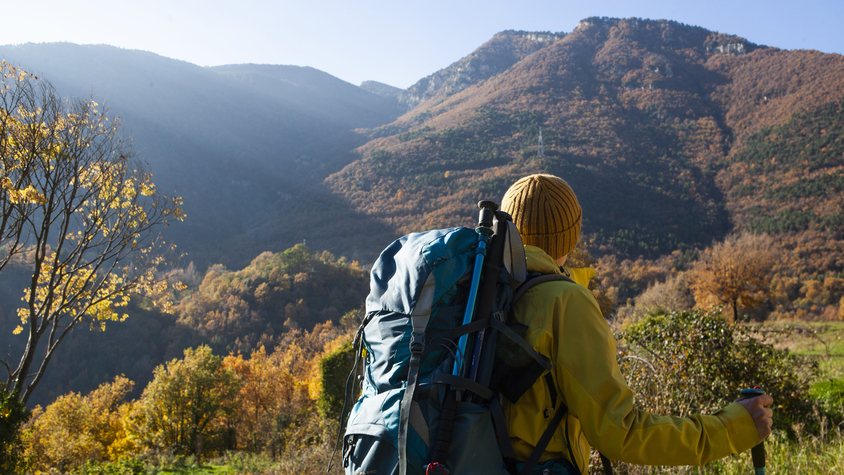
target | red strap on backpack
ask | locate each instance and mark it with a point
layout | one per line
(434, 468)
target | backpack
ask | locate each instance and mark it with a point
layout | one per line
(440, 351)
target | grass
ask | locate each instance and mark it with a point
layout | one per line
(822, 340)
(232, 463)
(808, 455)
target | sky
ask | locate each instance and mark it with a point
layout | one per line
(396, 42)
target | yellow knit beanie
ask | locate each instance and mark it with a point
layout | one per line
(546, 212)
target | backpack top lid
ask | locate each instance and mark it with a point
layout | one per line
(400, 273)
(412, 279)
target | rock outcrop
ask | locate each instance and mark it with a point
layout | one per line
(494, 57)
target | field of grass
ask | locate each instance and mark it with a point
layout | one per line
(822, 341)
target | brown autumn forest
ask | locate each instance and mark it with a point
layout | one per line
(677, 141)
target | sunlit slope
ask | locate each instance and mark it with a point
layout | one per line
(641, 117)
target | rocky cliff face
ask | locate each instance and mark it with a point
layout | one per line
(496, 56)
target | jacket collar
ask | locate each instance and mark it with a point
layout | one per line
(539, 261)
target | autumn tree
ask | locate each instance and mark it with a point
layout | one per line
(78, 210)
(182, 407)
(734, 272)
(76, 428)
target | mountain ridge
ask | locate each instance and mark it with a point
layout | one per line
(651, 109)
(237, 142)
(672, 136)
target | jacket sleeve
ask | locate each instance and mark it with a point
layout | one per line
(598, 396)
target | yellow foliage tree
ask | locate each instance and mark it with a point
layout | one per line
(79, 210)
(279, 391)
(734, 272)
(76, 428)
(183, 408)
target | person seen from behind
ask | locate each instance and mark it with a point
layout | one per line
(565, 324)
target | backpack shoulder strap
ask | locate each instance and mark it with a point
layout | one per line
(535, 278)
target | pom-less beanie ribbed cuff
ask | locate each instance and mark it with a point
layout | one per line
(546, 211)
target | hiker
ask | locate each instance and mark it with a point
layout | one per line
(565, 323)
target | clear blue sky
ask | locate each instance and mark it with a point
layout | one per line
(393, 41)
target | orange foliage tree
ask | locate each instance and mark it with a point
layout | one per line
(279, 391)
(735, 272)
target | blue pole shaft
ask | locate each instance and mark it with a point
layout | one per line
(470, 305)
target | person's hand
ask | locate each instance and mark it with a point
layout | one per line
(759, 408)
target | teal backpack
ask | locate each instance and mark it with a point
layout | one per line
(439, 353)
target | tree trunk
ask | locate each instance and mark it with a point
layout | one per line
(735, 310)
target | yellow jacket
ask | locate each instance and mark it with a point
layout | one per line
(565, 324)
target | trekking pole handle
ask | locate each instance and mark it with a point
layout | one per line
(488, 209)
(758, 452)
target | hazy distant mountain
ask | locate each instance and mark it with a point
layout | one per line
(671, 135)
(384, 90)
(247, 146)
(650, 120)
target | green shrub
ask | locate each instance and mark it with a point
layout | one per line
(334, 371)
(831, 392)
(13, 415)
(692, 362)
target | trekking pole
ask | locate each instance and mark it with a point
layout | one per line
(484, 230)
(480, 370)
(442, 441)
(758, 452)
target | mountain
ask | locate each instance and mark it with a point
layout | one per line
(657, 126)
(246, 146)
(493, 57)
(381, 89)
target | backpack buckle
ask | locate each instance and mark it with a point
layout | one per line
(417, 343)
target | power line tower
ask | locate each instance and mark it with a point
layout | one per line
(540, 150)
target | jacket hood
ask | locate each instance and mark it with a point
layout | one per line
(539, 261)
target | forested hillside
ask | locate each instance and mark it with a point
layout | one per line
(660, 127)
(273, 297)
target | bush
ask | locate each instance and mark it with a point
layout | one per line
(692, 362)
(334, 371)
(831, 393)
(13, 415)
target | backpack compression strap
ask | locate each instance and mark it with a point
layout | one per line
(419, 318)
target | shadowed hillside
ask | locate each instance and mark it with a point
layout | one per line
(240, 143)
(672, 136)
